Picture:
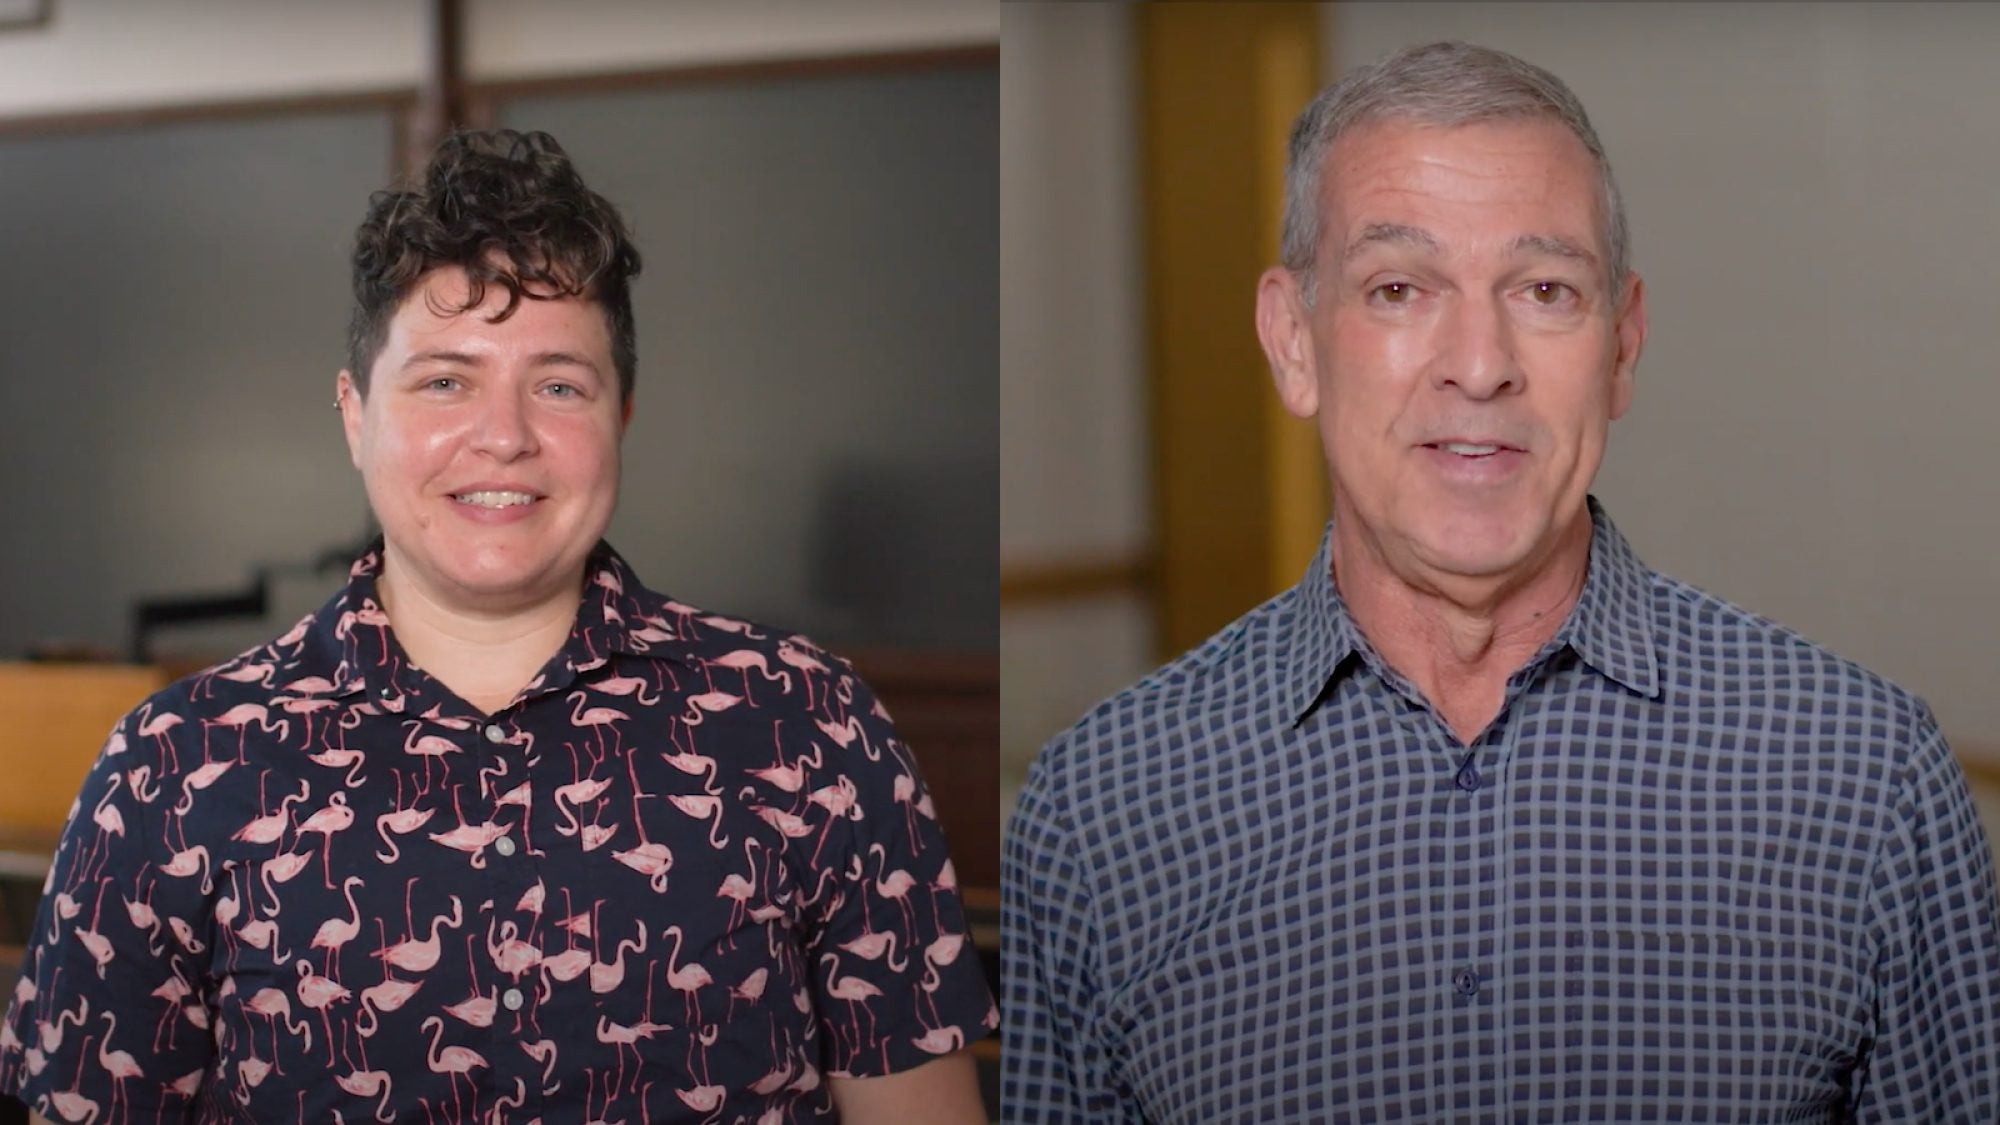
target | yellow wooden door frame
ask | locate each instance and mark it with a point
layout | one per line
(1240, 493)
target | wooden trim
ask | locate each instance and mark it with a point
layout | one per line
(805, 66)
(396, 100)
(1238, 484)
(1074, 579)
(1981, 766)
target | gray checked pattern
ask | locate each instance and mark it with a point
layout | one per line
(1699, 869)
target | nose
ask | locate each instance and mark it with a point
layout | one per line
(1475, 350)
(504, 428)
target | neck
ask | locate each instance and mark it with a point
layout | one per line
(1457, 637)
(484, 656)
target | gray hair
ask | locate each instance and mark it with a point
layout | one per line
(1438, 84)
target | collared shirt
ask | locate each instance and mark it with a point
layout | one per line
(1697, 869)
(688, 873)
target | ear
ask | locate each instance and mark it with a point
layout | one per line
(1284, 328)
(347, 397)
(1630, 331)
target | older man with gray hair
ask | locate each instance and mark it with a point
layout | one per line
(1485, 819)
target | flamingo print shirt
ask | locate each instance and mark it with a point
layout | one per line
(1697, 869)
(688, 873)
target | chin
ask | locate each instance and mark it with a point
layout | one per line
(1479, 548)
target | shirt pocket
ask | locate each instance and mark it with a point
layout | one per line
(1678, 1017)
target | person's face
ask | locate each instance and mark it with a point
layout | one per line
(1466, 352)
(489, 450)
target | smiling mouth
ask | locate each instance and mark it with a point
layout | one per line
(494, 499)
(1467, 449)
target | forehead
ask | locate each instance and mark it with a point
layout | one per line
(1466, 184)
(436, 309)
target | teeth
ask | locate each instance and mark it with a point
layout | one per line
(1464, 450)
(496, 499)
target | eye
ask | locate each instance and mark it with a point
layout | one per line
(1551, 293)
(441, 383)
(1394, 293)
(562, 390)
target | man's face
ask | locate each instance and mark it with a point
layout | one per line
(489, 449)
(1465, 354)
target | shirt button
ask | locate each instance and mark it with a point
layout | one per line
(385, 692)
(1468, 778)
(512, 999)
(495, 734)
(504, 845)
(1467, 982)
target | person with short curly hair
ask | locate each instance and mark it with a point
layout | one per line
(499, 834)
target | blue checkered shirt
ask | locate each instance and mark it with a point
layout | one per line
(1698, 869)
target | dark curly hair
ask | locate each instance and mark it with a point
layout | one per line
(510, 210)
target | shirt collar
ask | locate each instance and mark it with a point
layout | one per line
(616, 616)
(1611, 626)
(1322, 637)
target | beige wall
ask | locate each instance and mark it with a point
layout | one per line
(1072, 469)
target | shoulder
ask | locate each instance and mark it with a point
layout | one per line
(1712, 647)
(1173, 717)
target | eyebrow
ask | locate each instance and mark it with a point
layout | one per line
(1376, 234)
(467, 359)
(1553, 246)
(440, 355)
(1399, 234)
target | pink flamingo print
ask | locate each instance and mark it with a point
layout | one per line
(204, 776)
(743, 660)
(795, 656)
(280, 869)
(597, 717)
(388, 996)
(415, 956)
(454, 1061)
(334, 758)
(606, 976)
(273, 1004)
(430, 747)
(544, 1051)
(317, 992)
(703, 808)
(708, 703)
(402, 822)
(71, 1105)
(688, 979)
(872, 944)
(241, 717)
(367, 1084)
(336, 932)
(186, 862)
(893, 884)
(633, 686)
(335, 817)
(854, 990)
(270, 829)
(941, 1041)
(156, 728)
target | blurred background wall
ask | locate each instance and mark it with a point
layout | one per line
(1810, 192)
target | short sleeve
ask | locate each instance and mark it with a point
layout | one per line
(1053, 1066)
(898, 980)
(1935, 1054)
(101, 1019)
